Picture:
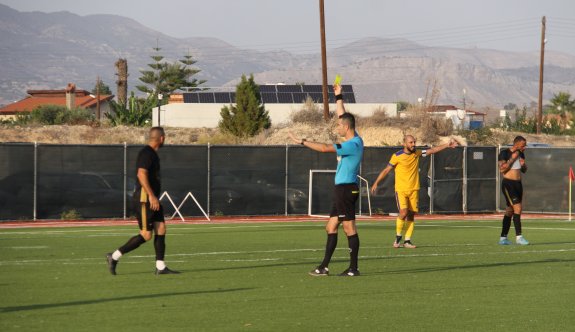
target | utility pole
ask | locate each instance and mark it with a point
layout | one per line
(98, 98)
(542, 60)
(323, 62)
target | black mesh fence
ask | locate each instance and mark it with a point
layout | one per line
(481, 166)
(97, 181)
(448, 181)
(300, 161)
(247, 180)
(546, 183)
(16, 181)
(88, 181)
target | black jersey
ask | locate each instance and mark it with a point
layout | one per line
(148, 159)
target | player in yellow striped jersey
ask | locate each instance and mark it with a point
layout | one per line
(406, 165)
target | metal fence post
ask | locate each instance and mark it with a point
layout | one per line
(432, 183)
(125, 177)
(208, 182)
(497, 179)
(464, 186)
(286, 180)
(35, 204)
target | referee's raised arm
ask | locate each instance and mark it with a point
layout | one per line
(338, 100)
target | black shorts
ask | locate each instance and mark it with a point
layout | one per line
(146, 217)
(512, 190)
(344, 198)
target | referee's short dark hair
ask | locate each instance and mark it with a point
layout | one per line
(349, 119)
(519, 139)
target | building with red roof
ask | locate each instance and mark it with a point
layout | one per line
(69, 97)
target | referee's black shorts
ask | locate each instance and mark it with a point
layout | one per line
(512, 190)
(344, 198)
(146, 216)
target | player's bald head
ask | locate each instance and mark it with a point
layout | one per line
(156, 132)
(408, 138)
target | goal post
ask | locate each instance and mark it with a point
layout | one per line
(315, 185)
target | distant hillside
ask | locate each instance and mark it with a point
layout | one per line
(41, 50)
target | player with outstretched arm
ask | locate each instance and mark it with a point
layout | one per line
(346, 192)
(406, 165)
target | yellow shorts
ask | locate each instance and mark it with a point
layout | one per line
(407, 200)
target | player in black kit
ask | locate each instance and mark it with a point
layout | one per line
(148, 209)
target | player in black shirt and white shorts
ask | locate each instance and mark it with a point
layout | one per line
(149, 211)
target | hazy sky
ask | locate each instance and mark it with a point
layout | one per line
(293, 25)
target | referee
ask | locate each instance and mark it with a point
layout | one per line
(511, 165)
(349, 156)
(149, 211)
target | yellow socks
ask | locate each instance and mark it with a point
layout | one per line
(409, 230)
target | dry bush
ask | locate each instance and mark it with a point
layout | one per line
(431, 127)
(310, 113)
(380, 119)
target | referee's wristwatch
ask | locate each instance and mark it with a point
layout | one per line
(303, 141)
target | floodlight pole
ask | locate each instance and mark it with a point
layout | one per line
(542, 60)
(323, 62)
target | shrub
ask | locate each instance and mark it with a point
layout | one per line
(310, 113)
(58, 115)
(138, 112)
(70, 215)
(248, 117)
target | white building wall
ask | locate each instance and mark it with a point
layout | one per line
(192, 115)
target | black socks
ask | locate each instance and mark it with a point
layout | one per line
(160, 246)
(330, 246)
(132, 244)
(506, 225)
(353, 242)
(517, 224)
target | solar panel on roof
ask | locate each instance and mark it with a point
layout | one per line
(285, 98)
(331, 98)
(317, 97)
(347, 88)
(191, 97)
(207, 97)
(269, 97)
(312, 88)
(267, 88)
(222, 97)
(289, 88)
(273, 97)
(299, 97)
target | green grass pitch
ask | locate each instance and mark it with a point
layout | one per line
(253, 277)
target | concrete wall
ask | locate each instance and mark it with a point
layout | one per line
(208, 115)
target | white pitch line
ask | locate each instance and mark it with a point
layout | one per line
(89, 260)
(483, 226)
(29, 247)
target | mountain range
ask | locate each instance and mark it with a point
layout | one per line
(48, 50)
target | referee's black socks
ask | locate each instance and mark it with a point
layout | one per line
(330, 246)
(353, 242)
